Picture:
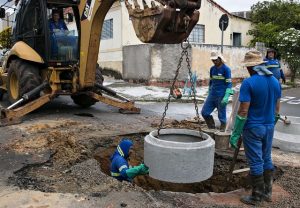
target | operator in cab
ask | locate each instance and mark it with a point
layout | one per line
(120, 168)
(56, 24)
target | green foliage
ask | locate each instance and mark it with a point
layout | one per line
(272, 17)
(265, 33)
(5, 38)
(289, 47)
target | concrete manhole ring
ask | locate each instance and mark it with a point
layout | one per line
(179, 155)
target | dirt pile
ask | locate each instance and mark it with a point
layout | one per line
(184, 124)
(65, 146)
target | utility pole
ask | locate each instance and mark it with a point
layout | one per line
(7, 19)
(223, 24)
(222, 36)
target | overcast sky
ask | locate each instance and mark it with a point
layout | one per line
(230, 5)
(237, 5)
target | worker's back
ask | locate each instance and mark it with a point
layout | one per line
(262, 92)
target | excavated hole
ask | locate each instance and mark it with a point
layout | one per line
(217, 183)
(73, 169)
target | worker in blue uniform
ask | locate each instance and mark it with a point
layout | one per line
(257, 115)
(219, 91)
(273, 65)
(119, 166)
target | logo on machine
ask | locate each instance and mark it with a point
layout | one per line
(88, 10)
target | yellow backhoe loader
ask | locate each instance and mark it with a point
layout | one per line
(49, 59)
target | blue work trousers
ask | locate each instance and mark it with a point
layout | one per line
(210, 104)
(258, 147)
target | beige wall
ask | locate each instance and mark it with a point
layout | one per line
(128, 33)
(242, 26)
(158, 62)
(201, 62)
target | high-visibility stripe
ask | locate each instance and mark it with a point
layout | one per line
(120, 151)
(115, 174)
(228, 80)
(218, 77)
(273, 66)
(122, 167)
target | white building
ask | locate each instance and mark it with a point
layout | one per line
(8, 20)
(118, 32)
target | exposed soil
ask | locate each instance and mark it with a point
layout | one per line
(217, 183)
(80, 164)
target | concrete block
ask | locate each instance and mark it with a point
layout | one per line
(137, 62)
(179, 155)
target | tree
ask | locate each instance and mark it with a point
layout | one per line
(277, 24)
(5, 38)
(272, 17)
(289, 47)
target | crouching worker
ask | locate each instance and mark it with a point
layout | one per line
(119, 164)
(258, 112)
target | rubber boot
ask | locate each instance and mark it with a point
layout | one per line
(210, 122)
(1, 94)
(258, 191)
(223, 127)
(268, 179)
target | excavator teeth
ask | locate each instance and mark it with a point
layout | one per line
(145, 4)
(136, 4)
(128, 5)
(165, 21)
(153, 5)
(162, 2)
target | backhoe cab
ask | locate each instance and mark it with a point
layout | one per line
(56, 45)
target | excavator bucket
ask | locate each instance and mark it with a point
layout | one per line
(165, 21)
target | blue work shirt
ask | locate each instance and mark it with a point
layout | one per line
(118, 168)
(273, 65)
(262, 92)
(60, 25)
(119, 164)
(220, 80)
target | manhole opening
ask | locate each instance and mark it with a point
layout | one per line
(217, 183)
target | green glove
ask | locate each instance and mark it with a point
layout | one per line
(144, 170)
(277, 116)
(237, 131)
(225, 100)
(137, 170)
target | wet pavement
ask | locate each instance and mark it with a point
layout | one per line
(290, 102)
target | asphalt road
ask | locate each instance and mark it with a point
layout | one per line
(290, 107)
(290, 102)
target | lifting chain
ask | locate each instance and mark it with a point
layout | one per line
(186, 54)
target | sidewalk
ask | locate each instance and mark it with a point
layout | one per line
(140, 92)
(144, 93)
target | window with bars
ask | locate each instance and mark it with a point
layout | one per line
(198, 34)
(107, 29)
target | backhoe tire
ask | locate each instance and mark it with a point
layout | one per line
(85, 101)
(22, 78)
